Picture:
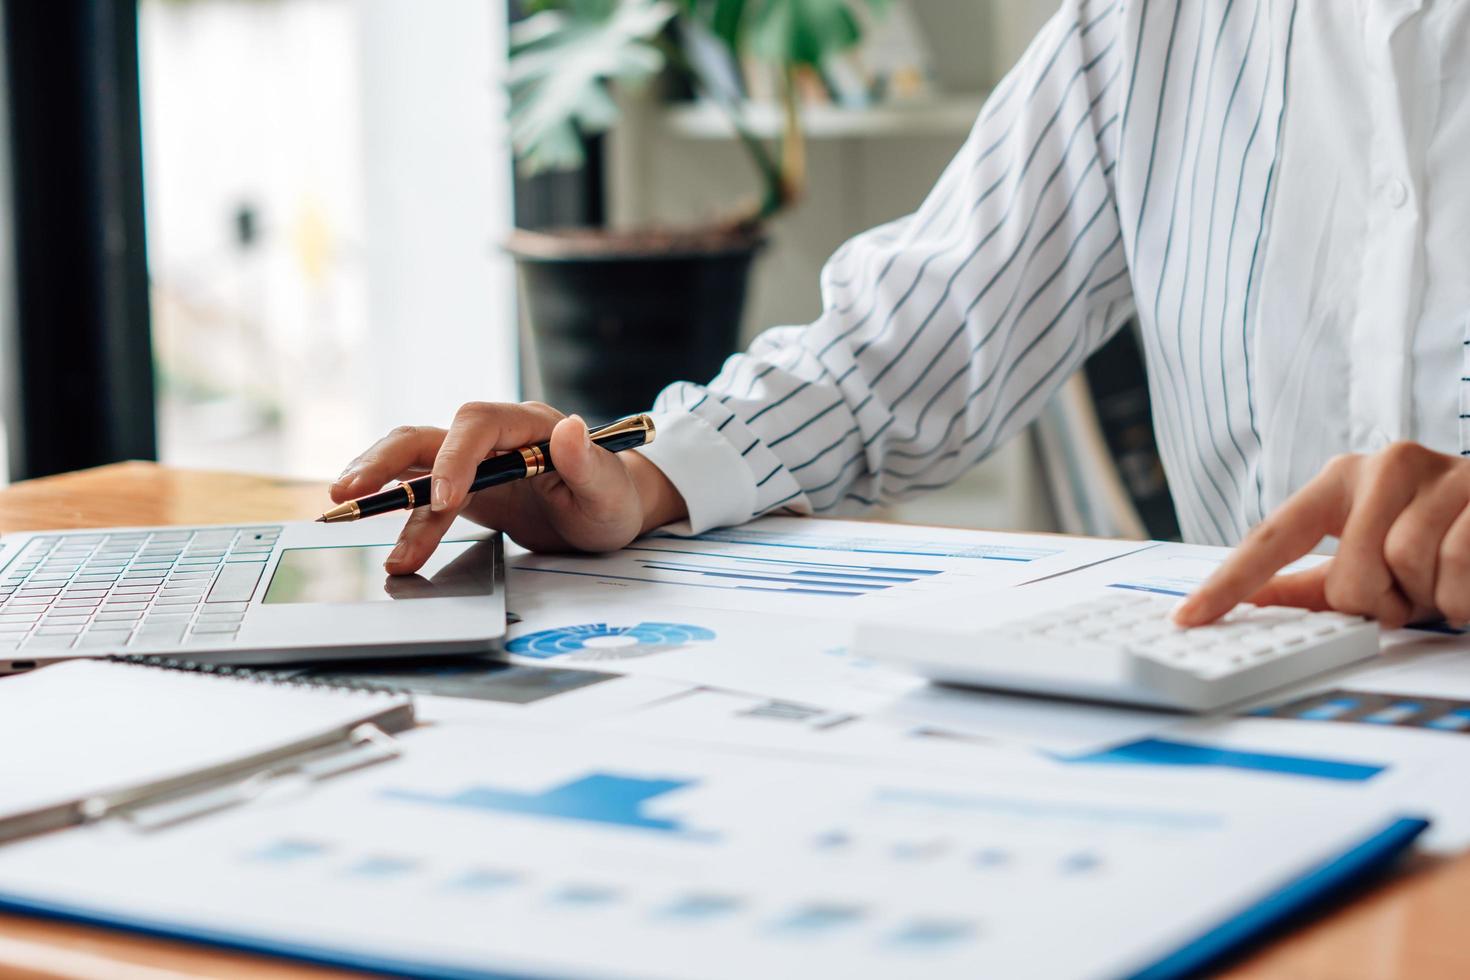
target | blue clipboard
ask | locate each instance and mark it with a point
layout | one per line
(1315, 887)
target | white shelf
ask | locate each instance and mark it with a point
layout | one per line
(938, 116)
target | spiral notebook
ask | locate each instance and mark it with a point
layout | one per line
(154, 742)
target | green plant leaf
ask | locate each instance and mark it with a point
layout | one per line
(805, 32)
(562, 59)
(725, 21)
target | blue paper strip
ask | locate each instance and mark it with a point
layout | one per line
(1160, 752)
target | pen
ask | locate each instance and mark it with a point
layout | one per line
(518, 464)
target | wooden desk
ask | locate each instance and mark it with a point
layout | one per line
(1411, 926)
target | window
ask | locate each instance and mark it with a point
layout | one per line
(327, 183)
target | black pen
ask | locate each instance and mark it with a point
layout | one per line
(519, 464)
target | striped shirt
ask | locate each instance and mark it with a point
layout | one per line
(1273, 189)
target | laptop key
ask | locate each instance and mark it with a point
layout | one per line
(236, 582)
(108, 640)
(49, 642)
(209, 639)
(147, 636)
(210, 627)
(110, 626)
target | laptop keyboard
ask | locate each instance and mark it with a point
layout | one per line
(108, 591)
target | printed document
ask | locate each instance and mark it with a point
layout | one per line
(528, 852)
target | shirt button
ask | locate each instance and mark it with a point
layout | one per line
(1395, 193)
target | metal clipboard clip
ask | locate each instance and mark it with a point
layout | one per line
(292, 768)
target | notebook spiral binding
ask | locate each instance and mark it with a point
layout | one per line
(258, 676)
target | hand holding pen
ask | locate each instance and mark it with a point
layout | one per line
(584, 496)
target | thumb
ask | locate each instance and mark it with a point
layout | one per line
(594, 476)
(1307, 590)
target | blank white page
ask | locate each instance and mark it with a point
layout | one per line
(87, 727)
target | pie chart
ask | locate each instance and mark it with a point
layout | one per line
(605, 641)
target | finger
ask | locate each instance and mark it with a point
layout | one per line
(401, 450)
(1413, 543)
(1452, 590)
(594, 477)
(1318, 509)
(420, 536)
(1359, 580)
(1306, 590)
(479, 429)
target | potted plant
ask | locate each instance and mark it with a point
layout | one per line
(616, 315)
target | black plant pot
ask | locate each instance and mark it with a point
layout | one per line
(617, 317)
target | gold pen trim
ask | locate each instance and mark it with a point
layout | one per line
(633, 423)
(535, 461)
(342, 512)
(533, 457)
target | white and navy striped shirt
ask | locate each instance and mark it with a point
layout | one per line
(1278, 191)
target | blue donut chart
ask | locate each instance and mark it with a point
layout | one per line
(605, 640)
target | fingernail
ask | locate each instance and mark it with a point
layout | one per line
(396, 555)
(439, 496)
(345, 477)
(586, 433)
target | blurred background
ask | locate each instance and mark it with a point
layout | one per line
(253, 235)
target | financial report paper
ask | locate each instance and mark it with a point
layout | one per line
(767, 608)
(504, 850)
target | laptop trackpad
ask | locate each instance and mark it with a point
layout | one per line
(355, 574)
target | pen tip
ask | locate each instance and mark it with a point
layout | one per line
(320, 520)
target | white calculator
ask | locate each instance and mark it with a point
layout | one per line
(1123, 647)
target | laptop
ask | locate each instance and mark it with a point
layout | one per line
(247, 594)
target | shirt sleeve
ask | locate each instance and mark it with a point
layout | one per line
(943, 333)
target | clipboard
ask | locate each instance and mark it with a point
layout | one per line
(301, 731)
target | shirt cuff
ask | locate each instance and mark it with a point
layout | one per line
(709, 474)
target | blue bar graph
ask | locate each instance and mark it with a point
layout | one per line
(283, 851)
(585, 896)
(1457, 720)
(703, 570)
(932, 933)
(816, 919)
(599, 797)
(815, 540)
(382, 867)
(700, 907)
(1355, 707)
(774, 574)
(1328, 710)
(1160, 752)
(484, 880)
(1394, 714)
